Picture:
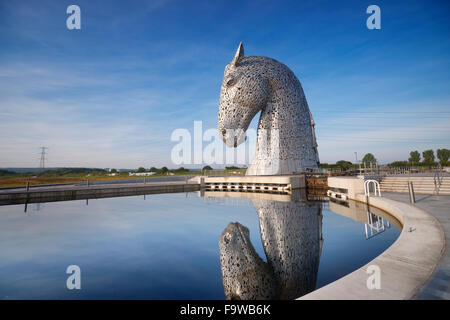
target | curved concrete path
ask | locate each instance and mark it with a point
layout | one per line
(405, 266)
(438, 287)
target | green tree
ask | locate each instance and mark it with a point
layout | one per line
(414, 158)
(369, 158)
(113, 171)
(324, 165)
(206, 168)
(232, 168)
(428, 156)
(344, 165)
(164, 169)
(398, 164)
(141, 169)
(443, 155)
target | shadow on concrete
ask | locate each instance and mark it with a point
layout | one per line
(424, 197)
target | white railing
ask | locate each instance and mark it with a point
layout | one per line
(376, 187)
(375, 225)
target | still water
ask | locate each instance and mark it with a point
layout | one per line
(186, 246)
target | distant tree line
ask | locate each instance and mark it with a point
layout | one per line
(57, 172)
(341, 164)
(428, 159)
(6, 172)
(345, 165)
(230, 168)
(72, 171)
(163, 170)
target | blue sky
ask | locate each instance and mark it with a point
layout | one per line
(110, 94)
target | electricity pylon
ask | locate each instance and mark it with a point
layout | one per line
(42, 162)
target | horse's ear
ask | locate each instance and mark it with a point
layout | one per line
(239, 54)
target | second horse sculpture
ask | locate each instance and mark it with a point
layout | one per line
(286, 142)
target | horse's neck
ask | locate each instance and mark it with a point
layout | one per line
(285, 141)
(280, 121)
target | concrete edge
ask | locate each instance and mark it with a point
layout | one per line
(93, 192)
(405, 266)
(294, 181)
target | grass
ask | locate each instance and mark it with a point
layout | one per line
(19, 180)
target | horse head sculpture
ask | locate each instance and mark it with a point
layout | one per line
(291, 234)
(286, 141)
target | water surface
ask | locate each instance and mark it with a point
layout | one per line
(166, 246)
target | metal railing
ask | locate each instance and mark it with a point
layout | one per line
(375, 225)
(437, 178)
(224, 173)
(412, 196)
(376, 187)
(411, 170)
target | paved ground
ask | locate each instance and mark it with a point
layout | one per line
(149, 180)
(438, 287)
(92, 186)
(141, 179)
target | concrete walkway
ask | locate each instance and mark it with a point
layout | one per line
(438, 287)
(73, 192)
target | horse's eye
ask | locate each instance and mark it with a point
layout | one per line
(230, 82)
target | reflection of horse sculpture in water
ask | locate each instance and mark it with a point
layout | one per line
(245, 275)
(285, 141)
(291, 234)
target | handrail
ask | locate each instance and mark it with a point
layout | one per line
(437, 178)
(376, 187)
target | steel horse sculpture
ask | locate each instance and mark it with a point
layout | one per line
(286, 142)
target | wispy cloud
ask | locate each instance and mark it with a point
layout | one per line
(111, 94)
